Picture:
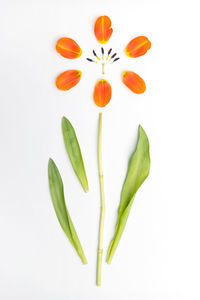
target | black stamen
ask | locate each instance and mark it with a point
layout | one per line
(89, 59)
(109, 51)
(113, 55)
(116, 59)
(102, 50)
(94, 53)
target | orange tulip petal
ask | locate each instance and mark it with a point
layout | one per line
(138, 46)
(134, 82)
(102, 29)
(68, 48)
(102, 93)
(68, 79)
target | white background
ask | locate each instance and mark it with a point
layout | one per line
(159, 254)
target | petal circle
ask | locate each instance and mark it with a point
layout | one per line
(102, 93)
(68, 79)
(138, 46)
(134, 82)
(102, 29)
(68, 48)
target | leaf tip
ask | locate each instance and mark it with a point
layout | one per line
(65, 122)
(142, 131)
(86, 189)
(63, 119)
(50, 161)
(140, 128)
(84, 261)
(108, 261)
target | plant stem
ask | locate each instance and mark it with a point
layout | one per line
(103, 68)
(102, 215)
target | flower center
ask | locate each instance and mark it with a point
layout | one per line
(108, 58)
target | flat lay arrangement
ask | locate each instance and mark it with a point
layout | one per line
(138, 163)
(99, 127)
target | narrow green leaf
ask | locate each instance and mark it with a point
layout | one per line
(138, 171)
(58, 199)
(74, 152)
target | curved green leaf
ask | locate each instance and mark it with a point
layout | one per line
(74, 152)
(138, 170)
(58, 199)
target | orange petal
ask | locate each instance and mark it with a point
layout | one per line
(102, 93)
(138, 46)
(68, 79)
(102, 29)
(134, 82)
(68, 48)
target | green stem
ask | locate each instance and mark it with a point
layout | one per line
(103, 68)
(102, 215)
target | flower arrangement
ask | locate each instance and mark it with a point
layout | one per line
(139, 163)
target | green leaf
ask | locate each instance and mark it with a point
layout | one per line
(58, 199)
(138, 171)
(74, 152)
